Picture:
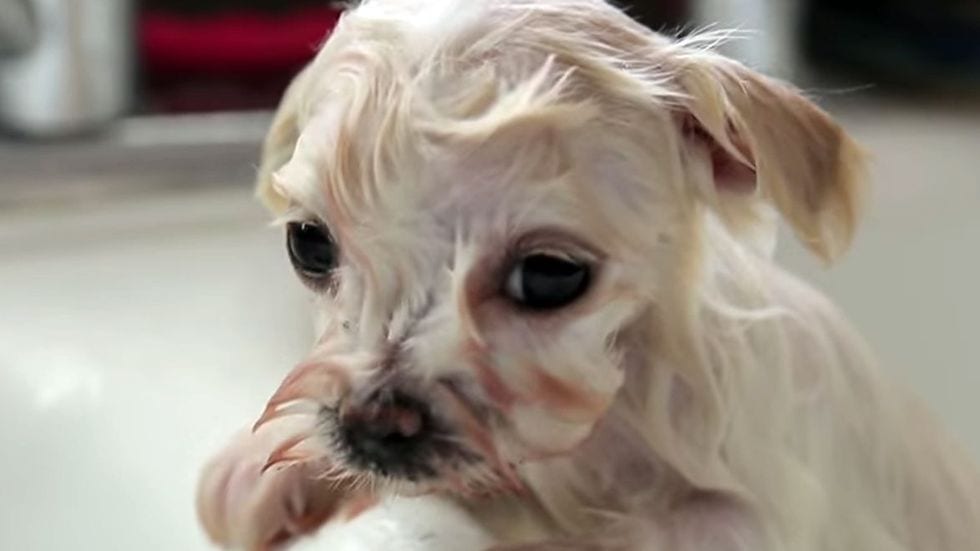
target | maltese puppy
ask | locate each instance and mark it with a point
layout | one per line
(539, 236)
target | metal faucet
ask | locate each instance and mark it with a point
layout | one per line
(18, 27)
(66, 66)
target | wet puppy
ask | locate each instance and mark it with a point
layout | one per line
(539, 236)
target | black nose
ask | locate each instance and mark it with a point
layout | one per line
(389, 433)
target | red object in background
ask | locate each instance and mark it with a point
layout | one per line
(231, 44)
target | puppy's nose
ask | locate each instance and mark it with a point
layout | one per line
(398, 420)
(387, 433)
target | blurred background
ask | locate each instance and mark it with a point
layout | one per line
(146, 311)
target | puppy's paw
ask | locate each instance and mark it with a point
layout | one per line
(243, 503)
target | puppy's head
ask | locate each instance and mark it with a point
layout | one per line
(492, 200)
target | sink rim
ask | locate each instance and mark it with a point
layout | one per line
(135, 155)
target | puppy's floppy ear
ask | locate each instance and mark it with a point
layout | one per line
(281, 141)
(767, 141)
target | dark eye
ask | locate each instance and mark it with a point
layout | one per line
(546, 282)
(311, 250)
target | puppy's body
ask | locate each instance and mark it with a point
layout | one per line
(694, 397)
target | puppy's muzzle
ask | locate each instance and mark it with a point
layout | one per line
(390, 433)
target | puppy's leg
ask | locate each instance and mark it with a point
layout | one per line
(242, 504)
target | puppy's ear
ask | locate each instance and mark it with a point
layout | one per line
(766, 140)
(281, 141)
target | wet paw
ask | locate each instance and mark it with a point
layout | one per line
(243, 503)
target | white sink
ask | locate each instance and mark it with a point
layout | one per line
(137, 335)
(134, 338)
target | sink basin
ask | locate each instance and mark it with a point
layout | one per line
(148, 312)
(136, 336)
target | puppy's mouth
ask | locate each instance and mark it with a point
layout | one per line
(395, 434)
(408, 436)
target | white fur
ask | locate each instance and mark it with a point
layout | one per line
(403, 524)
(698, 398)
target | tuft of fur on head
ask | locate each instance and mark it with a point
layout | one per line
(697, 391)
